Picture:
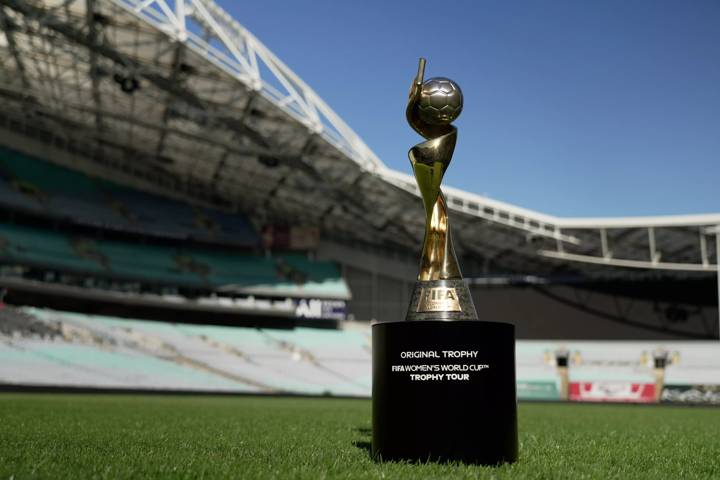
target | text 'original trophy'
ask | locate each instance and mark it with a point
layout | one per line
(443, 381)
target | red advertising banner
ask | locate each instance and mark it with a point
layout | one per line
(612, 392)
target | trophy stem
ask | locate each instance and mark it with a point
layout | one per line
(438, 261)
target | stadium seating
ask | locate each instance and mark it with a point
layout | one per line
(692, 366)
(42, 248)
(46, 347)
(537, 376)
(281, 275)
(31, 185)
(109, 352)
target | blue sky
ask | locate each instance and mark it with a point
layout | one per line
(573, 108)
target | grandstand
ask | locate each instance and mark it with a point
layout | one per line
(78, 350)
(158, 162)
(32, 186)
(81, 351)
(103, 232)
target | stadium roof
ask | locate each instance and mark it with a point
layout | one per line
(177, 97)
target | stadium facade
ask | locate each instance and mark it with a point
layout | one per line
(157, 161)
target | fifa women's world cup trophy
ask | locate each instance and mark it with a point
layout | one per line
(440, 292)
(443, 381)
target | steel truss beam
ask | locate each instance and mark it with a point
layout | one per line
(204, 27)
(619, 262)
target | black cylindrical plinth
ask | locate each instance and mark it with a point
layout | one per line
(444, 391)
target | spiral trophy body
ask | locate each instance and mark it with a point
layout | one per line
(440, 293)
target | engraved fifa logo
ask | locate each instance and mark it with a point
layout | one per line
(441, 294)
(439, 299)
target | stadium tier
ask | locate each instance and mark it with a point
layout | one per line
(34, 186)
(41, 347)
(94, 351)
(290, 274)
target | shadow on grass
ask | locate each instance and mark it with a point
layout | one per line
(364, 431)
(364, 443)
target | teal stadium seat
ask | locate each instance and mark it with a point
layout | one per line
(43, 248)
(46, 176)
(237, 268)
(71, 195)
(170, 266)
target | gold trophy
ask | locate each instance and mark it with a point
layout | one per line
(440, 293)
(422, 409)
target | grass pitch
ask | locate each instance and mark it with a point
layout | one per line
(120, 436)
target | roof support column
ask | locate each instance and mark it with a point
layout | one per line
(703, 248)
(606, 253)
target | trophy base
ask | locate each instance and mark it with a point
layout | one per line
(444, 391)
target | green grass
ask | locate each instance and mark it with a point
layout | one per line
(115, 436)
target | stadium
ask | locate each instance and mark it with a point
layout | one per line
(183, 219)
